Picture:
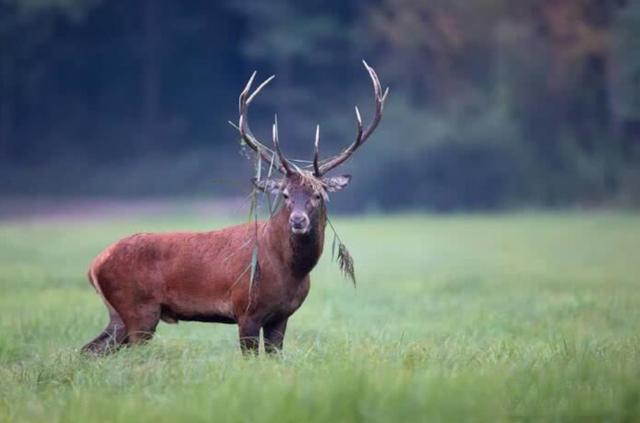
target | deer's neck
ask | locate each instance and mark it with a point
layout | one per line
(301, 252)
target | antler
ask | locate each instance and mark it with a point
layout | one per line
(245, 132)
(319, 169)
(283, 161)
(362, 134)
(316, 153)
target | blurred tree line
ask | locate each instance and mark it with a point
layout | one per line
(494, 103)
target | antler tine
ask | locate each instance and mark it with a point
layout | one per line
(362, 134)
(316, 154)
(374, 78)
(276, 144)
(245, 99)
(359, 124)
(260, 87)
(245, 91)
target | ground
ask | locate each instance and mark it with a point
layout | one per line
(481, 317)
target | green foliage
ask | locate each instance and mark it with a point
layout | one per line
(285, 32)
(627, 73)
(494, 103)
(523, 316)
(474, 161)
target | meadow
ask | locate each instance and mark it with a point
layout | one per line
(527, 316)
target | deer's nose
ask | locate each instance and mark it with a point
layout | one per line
(298, 221)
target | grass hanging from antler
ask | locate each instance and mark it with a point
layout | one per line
(253, 216)
(343, 256)
(254, 265)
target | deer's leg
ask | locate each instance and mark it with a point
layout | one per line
(110, 339)
(274, 335)
(249, 332)
(141, 323)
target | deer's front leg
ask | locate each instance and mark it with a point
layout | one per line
(274, 335)
(249, 336)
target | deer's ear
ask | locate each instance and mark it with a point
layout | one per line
(336, 183)
(268, 185)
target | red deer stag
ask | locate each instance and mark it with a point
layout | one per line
(203, 276)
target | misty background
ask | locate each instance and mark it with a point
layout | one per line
(494, 104)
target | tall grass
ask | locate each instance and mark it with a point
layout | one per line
(491, 318)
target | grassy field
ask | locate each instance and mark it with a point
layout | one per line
(487, 318)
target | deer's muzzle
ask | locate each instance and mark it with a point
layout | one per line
(299, 223)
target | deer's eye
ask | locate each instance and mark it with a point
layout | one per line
(285, 195)
(317, 196)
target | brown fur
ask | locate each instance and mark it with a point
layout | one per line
(204, 276)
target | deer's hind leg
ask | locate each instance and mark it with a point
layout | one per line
(111, 338)
(141, 322)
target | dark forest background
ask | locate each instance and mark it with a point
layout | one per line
(494, 103)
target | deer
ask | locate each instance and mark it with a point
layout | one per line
(146, 278)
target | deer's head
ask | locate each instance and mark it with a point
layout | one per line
(305, 189)
(303, 196)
